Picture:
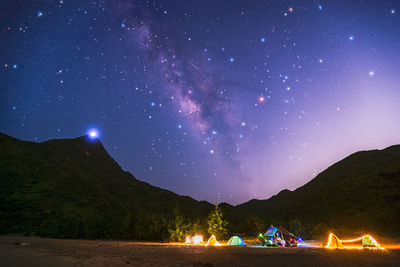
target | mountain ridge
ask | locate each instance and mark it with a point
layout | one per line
(360, 192)
(76, 181)
(73, 188)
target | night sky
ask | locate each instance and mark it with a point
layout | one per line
(218, 100)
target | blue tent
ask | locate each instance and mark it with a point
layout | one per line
(273, 237)
(271, 231)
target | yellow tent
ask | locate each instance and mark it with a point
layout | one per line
(334, 241)
(213, 241)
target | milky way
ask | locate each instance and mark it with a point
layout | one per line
(198, 93)
(219, 100)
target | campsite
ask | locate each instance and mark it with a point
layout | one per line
(33, 251)
(277, 246)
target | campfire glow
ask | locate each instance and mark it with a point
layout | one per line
(195, 240)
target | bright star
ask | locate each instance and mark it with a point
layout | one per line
(263, 40)
(371, 73)
(231, 59)
(15, 66)
(351, 38)
(319, 7)
(39, 14)
(93, 134)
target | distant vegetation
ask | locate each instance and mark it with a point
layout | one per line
(179, 228)
(217, 225)
(74, 189)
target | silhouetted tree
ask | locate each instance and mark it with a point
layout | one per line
(217, 225)
(178, 228)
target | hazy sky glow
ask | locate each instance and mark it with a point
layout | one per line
(218, 100)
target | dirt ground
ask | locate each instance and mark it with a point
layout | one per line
(33, 251)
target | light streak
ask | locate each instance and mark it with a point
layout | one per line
(194, 66)
(339, 243)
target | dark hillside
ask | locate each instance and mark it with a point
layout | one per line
(359, 193)
(73, 188)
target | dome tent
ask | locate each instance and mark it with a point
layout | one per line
(236, 241)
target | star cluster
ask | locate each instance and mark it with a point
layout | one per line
(219, 100)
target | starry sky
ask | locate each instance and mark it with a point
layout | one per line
(220, 100)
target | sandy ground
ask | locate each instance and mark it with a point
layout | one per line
(33, 251)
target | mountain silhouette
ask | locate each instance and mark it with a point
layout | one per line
(73, 188)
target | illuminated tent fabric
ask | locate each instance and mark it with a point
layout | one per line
(367, 241)
(334, 242)
(236, 241)
(271, 231)
(212, 241)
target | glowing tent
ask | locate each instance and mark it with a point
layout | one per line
(367, 241)
(273, 237)
(213, 241)
(195, 240)
(271, 231)
(334, 242)
(236, 241)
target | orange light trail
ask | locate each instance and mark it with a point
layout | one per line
(374, 245)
